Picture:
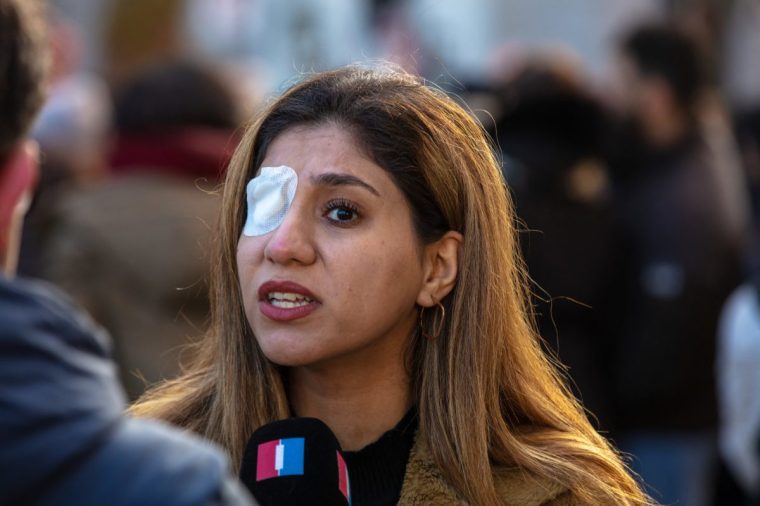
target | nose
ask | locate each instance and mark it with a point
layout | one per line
(292, 241)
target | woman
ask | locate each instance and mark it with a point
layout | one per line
(388, 289)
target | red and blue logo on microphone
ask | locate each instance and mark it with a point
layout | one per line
(281, 457)
(343, 484)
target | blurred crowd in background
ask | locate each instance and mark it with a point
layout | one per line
(630, 137)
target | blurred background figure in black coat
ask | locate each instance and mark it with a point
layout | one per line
(550, 131)
(683, 224)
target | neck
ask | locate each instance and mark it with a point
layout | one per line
(358, 403)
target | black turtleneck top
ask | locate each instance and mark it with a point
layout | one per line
(376, 472)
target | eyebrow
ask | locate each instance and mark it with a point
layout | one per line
(337, 179)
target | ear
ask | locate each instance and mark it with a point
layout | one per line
(18, 179)
(440, 267)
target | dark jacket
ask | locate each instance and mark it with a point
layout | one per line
(570, 249)
(682, 257)
(63, 436)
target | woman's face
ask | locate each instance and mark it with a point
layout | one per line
(339, 278)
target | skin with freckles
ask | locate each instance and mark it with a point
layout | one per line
(354, 250)
(349, 240)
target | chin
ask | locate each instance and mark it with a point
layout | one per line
(285, 361)
(285, 354)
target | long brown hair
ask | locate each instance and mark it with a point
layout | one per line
(486, 393)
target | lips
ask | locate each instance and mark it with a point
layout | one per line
(286, 301)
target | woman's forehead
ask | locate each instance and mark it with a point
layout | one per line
(315, 151)
(324, 140)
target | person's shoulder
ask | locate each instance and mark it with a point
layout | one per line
(148, 462)
(30, 292)
(54, 360)
(31, 309)
(424, 484)
(521, 487)
(62, 431)
(57, 386)
(423, 481)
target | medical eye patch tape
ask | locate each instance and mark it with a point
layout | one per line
(269, 196)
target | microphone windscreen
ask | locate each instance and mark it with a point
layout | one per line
(295, 462)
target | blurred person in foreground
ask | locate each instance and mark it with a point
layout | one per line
(63, 437)
(550, 131)
(367, 274)
(131, 250)
(682, 236)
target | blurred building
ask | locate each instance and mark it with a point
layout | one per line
(452, 40)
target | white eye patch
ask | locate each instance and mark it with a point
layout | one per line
(269, 196)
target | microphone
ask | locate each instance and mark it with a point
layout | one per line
(295, 462)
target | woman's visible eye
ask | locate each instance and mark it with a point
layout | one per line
(341, 212)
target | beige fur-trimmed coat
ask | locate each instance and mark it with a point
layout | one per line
(424, 485)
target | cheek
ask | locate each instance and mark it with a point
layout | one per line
(379, 273)
(248, 258)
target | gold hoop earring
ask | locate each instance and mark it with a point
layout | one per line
(438, 322)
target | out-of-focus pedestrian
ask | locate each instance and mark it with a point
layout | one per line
(132, 250)
(550, 131)
(682, 234)
(738, 364)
